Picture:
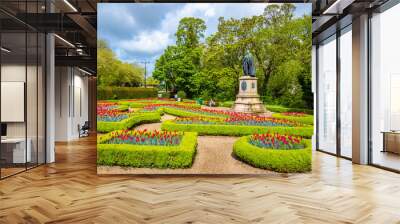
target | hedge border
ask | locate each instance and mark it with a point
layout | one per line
(306, 119)
(147, 156)
(183, 113)
(135, 119)
(239, 130)
(282, 109)
(283, 161)
(116, 92)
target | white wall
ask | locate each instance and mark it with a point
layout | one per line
(71, 102)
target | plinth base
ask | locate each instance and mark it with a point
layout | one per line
(248, 101)
(249, 104)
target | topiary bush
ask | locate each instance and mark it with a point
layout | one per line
(283, 161)
(114, 92)
(148, 156)
(135, 119)
(236, 130)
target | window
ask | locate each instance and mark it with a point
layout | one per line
(327, 95)
(346, 92)
(385, 89)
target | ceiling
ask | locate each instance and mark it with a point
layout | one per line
(73, 21)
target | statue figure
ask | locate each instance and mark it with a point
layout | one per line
(248, 64)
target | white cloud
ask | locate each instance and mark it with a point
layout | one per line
(119, 15)
(147, 42)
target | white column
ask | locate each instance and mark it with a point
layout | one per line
(50, 101)
(360, 90)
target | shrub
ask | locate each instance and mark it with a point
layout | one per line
(283, 161)
(307, 119)
(185, 113)
(128, 123)
(282, 109)
(181, 94)
(236, 130)
(148, 156)
(114, 92)
(226, 104)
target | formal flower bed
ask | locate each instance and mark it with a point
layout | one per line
(146, 149)
(133, 120)
(276, 141)
(294, 114)
(111, 115)
(144, 137)
(106, 106)
(276, 152)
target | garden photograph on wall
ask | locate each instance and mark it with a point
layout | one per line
(204, 88)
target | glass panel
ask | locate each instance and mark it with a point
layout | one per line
(327, 95)
(385, 89)
(346, 92)
(13, 86)
(31, 98)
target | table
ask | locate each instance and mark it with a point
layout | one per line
(391, 141)
(16, 147)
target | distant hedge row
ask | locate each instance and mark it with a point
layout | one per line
(113, 92)
(236, 130)
(282, 109)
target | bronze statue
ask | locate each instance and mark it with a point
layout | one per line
(248, 65)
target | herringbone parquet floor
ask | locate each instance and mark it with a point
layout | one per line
(69, 191)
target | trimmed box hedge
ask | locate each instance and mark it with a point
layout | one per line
(184, 113)
(282, 109)
(236, 130)
(147, 156)
(279, 160)
(135, 119)
(114, 92)
(306, 119)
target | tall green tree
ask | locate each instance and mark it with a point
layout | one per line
(190, 31)
(180, 62)
(113, 72)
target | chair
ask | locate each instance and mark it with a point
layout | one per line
(84, 130)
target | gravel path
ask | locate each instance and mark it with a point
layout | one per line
(214, 156)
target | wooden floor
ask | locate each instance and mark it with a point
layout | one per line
(70, 191)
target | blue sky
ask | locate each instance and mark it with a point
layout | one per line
(141, 31)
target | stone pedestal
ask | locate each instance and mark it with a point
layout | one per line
(248, 100)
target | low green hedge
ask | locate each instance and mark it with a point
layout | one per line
(283, 161)
(122, 107)
(114, 92)
(147, 156)
(226, 104)
(236, 130)
(185, 113)
(282, 109)
(128, 123)
(307, 119)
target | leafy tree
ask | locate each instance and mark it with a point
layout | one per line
(280, 43)
(113, 72)
(180, 62)
(190, 31)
